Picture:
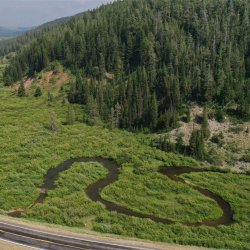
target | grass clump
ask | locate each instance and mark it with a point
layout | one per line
(245, 158)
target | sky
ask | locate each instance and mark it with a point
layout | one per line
(30, 13)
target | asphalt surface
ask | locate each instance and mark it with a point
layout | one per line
(48, 241)
(9, 245)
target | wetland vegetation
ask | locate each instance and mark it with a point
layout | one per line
(33, 148)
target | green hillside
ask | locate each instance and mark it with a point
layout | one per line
(143, 61)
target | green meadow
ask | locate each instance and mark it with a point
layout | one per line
(29, 148)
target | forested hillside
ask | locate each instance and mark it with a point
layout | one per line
(138, 62)
(17, 43)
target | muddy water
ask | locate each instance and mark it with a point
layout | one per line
(94, 190)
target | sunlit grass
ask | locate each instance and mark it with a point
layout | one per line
(28, 149)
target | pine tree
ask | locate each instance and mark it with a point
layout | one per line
(117, 115)
(200, 145)
(174, 119)
(102, 66)
(188, 115)
(220, 115)
(243, 108)
(205, 125)
(112, 118)
(154, 112)
(92, 111)
(192, 142)
(196, 144)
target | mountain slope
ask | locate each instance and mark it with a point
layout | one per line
(11, 32)
(15, 44)
(156, 56)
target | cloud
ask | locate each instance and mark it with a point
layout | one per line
(27, 13)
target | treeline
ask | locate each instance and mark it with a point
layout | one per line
(138, 61)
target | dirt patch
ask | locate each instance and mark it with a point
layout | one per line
(186, 129)
(52, 78)
(27, 83)
(240, 165)
(236, 140)
(46, 80)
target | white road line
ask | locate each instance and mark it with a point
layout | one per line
(19, 244)
(73, 238)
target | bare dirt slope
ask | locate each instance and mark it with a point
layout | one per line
(236, 140)
(47, 80)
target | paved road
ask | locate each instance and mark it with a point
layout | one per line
(8, 245)
(49, 241)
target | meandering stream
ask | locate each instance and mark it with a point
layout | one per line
(93, 191)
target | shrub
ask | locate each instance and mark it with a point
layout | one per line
(220, 115)
(38, 92)
(218, 139)
(236, 129)
(21, 90)
(214, 157)
(53, 124)
(245, 158)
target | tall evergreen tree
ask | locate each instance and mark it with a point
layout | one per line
(154, 112)
(196, 144)
(205, 125)
(192, 142)
(92, 111)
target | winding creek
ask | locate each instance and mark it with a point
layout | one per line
(93, 191)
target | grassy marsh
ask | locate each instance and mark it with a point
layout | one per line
(28, 149)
